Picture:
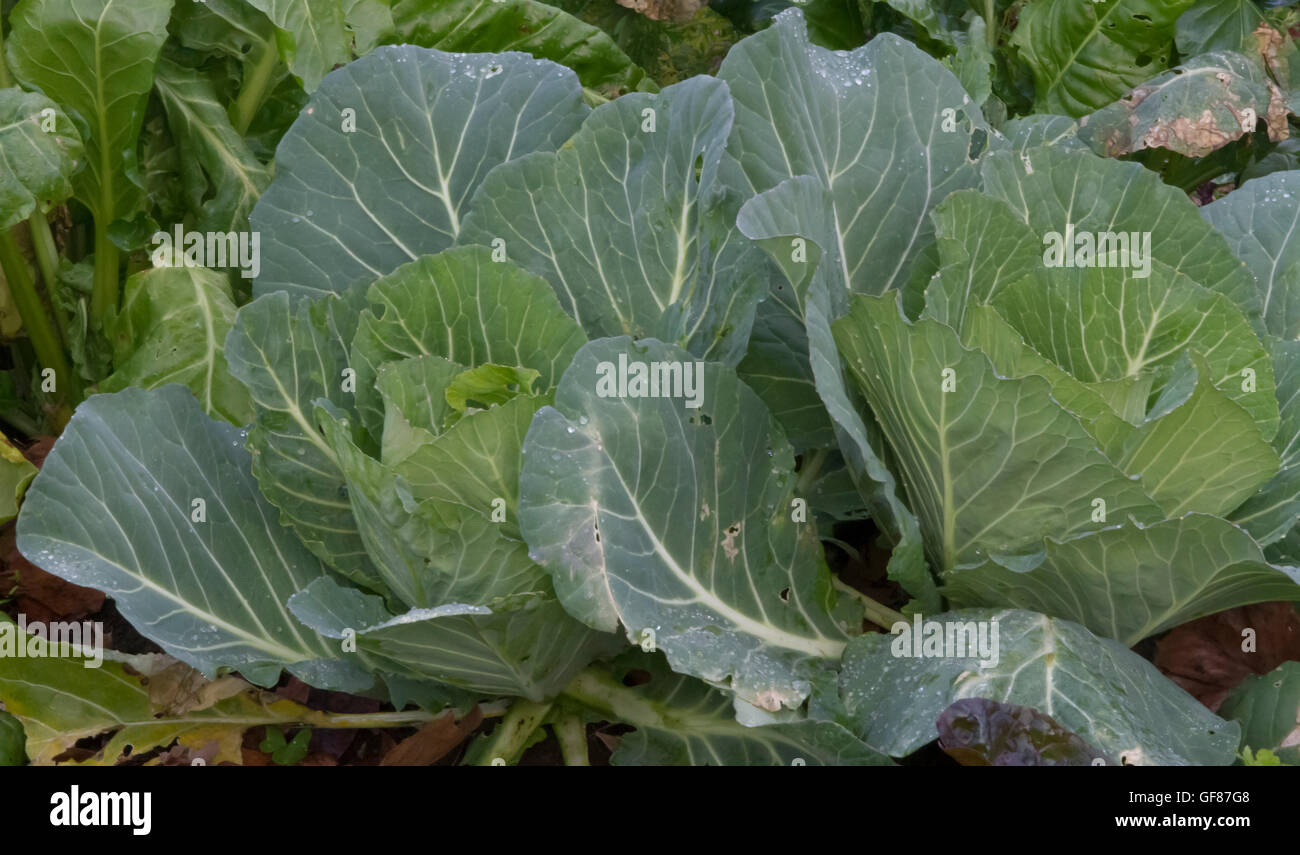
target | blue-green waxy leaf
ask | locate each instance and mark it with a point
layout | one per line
(379, 168)
(681, 721)
(524, 645)
(148, 500)
(467, 308)
(1272, 512)
(1267, 706)
(849, 153)
(1132, 581)
(992, 464)
(893, 691)
(702, 560)
(1052, 188)
(1259, 221)
(95, 58)
(633, 223)
(868, 129)
(39, 150)
(289, 356)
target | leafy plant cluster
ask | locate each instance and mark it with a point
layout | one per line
(388, 466)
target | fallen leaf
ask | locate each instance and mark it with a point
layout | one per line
(1206, 656)
(434, 740)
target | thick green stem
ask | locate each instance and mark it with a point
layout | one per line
(571, 733)
(103, 297)
(401, 718)
(598, 690)
(41, 333)
(5, 80)
(881, 615)
(252, 94)
(991, 23)
(811, 468)
(507, 742)
(47, 259)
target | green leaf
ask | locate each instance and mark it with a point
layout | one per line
(939, 19)
(13, 741)
(973, 62)
(428, 551)
(310, 34)
(523, 646)
(1202, 105)
(1267, 706)
(95, 58)
(222, 177)
(172, 329)
(1218, 25)
(1110, 697)
(1131, 581)
(289, 357)
(1012, 357)
(521, 25)
(40, 150)
(415, 396)
(285, 753)
(1258, 219)
(356, 204)
(1110, 323)
(154, 704)
(16, 472)
(1184, 465)
(991, 464)
(669, 51)
(1084, 54)
(862, 210)
(633, 224)
(865, 205)
(702, 559)
(475, 463)
(465, 307)
(983, 247)
(231, 28)
(681, 721)
(1049, 188)
(369, 22)
(115, 509)
(487, 385)
(1273, 511)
